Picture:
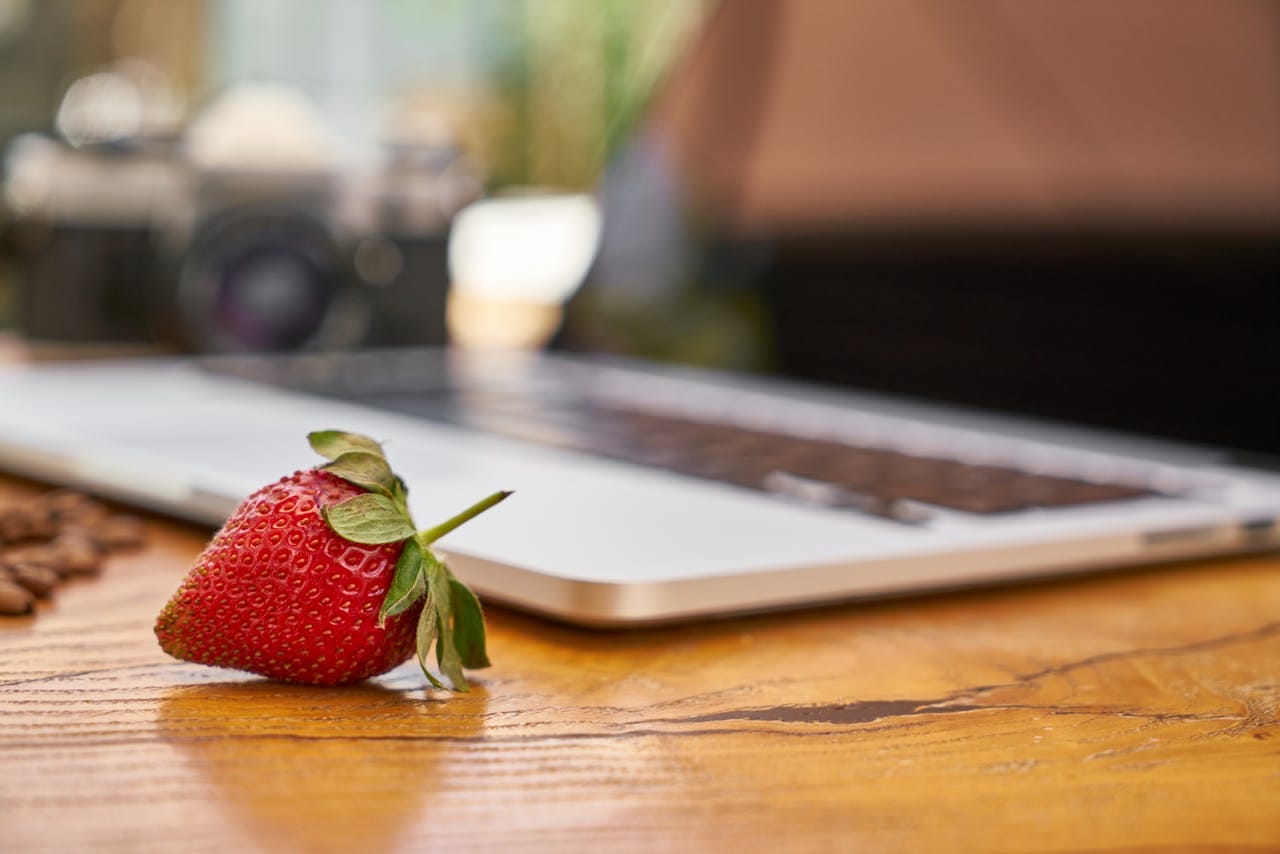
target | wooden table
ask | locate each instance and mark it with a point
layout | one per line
(1133, 711)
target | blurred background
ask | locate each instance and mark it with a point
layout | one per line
(187, 173)
(1066, 208)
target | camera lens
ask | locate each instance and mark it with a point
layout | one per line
(266, 280)
(271, 298)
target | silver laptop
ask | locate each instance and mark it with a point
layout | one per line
(646, 494)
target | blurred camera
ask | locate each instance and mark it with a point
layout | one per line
(236, 233)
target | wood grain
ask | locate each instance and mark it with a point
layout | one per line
(1134, 711)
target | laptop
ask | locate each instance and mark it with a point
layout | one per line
(649, 493)
(646, 494)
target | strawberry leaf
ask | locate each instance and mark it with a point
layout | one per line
(370, 519)
(428, 622)
(332, 444)
(400, 491)
(446, 651)
(468, 625)
(408, 585)
(365, 469)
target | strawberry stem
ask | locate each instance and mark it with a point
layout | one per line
(430, 535)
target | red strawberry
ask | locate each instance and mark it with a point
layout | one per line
(321, 578)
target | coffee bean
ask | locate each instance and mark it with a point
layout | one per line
(15, 600)
(73, 554)
(121, 532)
(40, 580)
(55, 536)
(22, 522)
(67, 506)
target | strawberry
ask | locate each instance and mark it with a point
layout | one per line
(322, 578)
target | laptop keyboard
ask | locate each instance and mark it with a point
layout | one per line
(869, 479)
(839, 472)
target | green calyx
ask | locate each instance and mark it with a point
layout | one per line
(451, 617)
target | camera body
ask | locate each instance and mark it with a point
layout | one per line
(137, 242)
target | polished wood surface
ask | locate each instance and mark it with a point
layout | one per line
(1131, 711)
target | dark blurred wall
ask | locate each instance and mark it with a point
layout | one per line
(1133, 114)
(1070, 209)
